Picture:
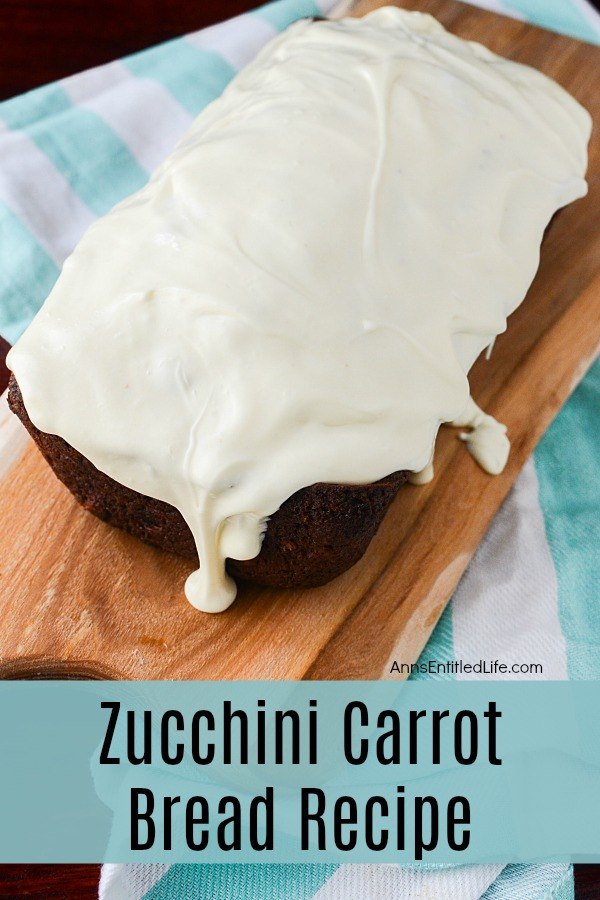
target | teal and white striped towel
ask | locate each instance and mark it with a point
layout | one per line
(68, 152)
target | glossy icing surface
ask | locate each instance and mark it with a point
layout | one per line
(299, 292)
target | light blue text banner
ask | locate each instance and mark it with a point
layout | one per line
(299, 772)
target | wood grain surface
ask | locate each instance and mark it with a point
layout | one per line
(78, 598)
(47, 882)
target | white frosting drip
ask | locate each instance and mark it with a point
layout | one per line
(424, 475)
(299, 292)
(487, 441)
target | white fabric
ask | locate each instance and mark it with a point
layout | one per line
(129, 882)
(589, 12)
(506, 606)
(123, 102)
(237, 40)
(383, 882)
(61, 219)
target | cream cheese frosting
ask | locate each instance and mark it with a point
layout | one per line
(300, 290)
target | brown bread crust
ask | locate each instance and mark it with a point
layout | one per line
(316, 535)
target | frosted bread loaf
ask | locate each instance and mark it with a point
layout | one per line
(297, 296)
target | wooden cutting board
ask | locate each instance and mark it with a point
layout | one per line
(79, 598)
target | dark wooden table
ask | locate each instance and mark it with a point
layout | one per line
(49, 41)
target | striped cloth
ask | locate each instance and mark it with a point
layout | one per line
(68, 152)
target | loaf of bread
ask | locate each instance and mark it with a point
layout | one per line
(235, 358)
(318, 533)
